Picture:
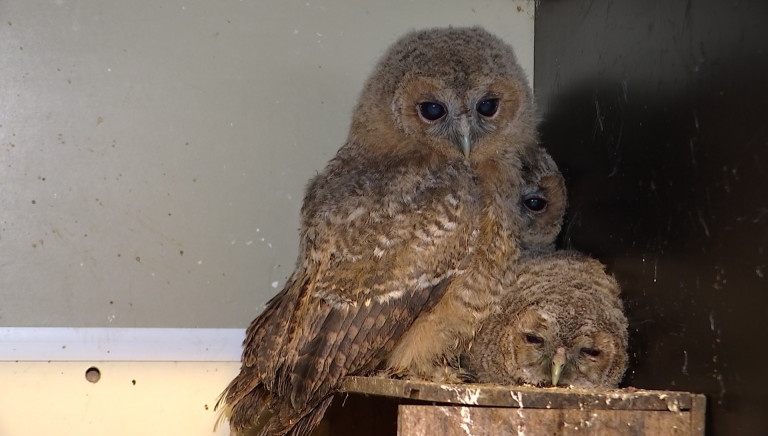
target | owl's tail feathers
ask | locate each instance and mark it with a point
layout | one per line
(308, 422)
(222, 414)
(245, 403)
(259, 413)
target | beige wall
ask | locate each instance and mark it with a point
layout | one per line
(130, 398)
(153, 154)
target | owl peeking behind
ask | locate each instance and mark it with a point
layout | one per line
(561, 325)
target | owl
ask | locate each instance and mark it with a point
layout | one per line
(414, 225)
(542, 202)
(562, 324)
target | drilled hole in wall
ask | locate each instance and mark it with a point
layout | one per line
(93, 374)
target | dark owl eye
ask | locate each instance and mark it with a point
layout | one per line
(533, 339)
(488, 107)
(431, 111)
(535, 203)
(591, 352)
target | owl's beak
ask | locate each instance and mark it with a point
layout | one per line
(558, 362)
(466, 147)
(464, 144)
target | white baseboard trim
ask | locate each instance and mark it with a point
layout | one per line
(120, 344)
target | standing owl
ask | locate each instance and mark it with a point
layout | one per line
(562, 324)
(414, 223)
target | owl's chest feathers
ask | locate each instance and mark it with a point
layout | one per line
(496, 249)
(397, 219)
(386, 195)
(392, 205)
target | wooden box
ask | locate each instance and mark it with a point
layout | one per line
(427, 409)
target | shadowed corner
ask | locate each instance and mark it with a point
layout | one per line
(662, 154)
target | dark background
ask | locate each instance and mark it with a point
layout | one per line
(657, 114)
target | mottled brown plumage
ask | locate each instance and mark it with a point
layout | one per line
(561, 324)
(431, 347)
(422, 206)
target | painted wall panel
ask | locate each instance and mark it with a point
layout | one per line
(130, 398)
(153, 155)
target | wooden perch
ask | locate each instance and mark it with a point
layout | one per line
(482, 409)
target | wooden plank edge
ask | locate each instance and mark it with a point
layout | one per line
(698, 415)
(521, 396)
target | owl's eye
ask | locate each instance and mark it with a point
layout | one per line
(488, 107)
(535, 203)
(431, 111)
(591, 352)
(533, 339)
